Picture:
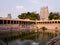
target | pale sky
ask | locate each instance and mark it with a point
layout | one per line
(16, 7)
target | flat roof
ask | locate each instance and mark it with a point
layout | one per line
(17, 19)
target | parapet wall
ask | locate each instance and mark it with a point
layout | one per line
(49, 24)
(28, 24)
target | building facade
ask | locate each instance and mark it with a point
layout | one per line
(20, 24)
(44, 13)
(7, 24)
(9, 16)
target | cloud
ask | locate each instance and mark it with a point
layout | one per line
(19, 7)
(34, 1)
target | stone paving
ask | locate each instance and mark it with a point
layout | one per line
(54, 41)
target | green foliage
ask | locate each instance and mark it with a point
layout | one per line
(8, 36)
(29, 15)
(54, 16)
(22, 16)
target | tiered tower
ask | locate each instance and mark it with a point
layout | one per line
(44, 13)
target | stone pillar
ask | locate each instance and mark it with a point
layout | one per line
(3, 21)
(13, 22)
(6, 21)
(10, 21)
(16, 22)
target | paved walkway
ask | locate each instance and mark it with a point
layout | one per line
(54, 41)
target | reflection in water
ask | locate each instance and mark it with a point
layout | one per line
(43, 37)
(15, 42)
(2, 43)
(25, 42)
(35, 43)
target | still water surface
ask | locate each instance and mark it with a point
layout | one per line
(25, 42)
(42, 40)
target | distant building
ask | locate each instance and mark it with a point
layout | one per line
(44, 13)
(0, 17)
(26, 24)
(9, 16)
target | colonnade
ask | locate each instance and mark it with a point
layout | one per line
(49, 22)
(17, 24)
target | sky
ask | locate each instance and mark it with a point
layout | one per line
(16, 7)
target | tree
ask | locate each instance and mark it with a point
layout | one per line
(29, 15)
(50, 16)
(22, 16)
(54, 15)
